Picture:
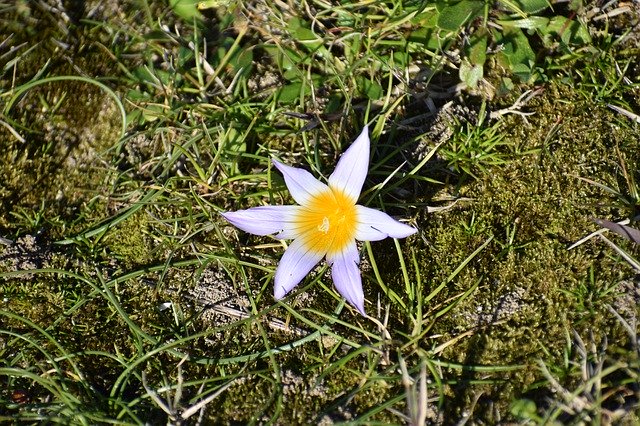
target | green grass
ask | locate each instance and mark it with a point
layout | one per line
(126, 129)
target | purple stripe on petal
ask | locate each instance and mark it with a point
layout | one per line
(346, 276)
(374, 225)
(264, 220)
(352, 168)
(300, 183)
(295, 264)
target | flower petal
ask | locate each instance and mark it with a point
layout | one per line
(264, 220)
(352, 168)
(346, 276)
(295, 264)
(374, 225)
(301, 184)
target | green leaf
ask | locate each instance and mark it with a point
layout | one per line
(372, 89)
(516, 53)
(304, 35)
(211, 4)
(144, 75)
(286, 59)
(433, 39)
(525, 409)
(290, 92)
(506, 86)
(400, 59)
(157, 35)
(476, 50)
(243, 60)
(530, 23)
(186, 9)
(452, 16)
(526, 6)
(470, 74)
(152, 112)
(570, 32)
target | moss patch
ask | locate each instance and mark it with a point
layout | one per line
(532, 292)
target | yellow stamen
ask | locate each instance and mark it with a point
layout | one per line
(328, 222)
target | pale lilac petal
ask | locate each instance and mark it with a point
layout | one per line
(295, 264)
(352, 168)
(264, 220)
(346, 275)
(374, 225)
(300, 183)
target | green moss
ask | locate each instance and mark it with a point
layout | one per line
(534, 207)
(129, 242)
(58, 171)
(53, 177)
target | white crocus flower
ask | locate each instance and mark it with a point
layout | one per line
(327, 222)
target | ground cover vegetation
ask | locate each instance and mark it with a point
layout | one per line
(505, 132)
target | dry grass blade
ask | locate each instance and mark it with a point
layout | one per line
(626, 113)
(595, 233)
(627, 232)
(634, 263)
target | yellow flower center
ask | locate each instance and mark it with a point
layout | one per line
(328, 222)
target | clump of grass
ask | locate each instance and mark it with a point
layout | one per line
(476, 148)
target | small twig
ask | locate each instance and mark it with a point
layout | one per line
(519, 103)
(443, 208)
